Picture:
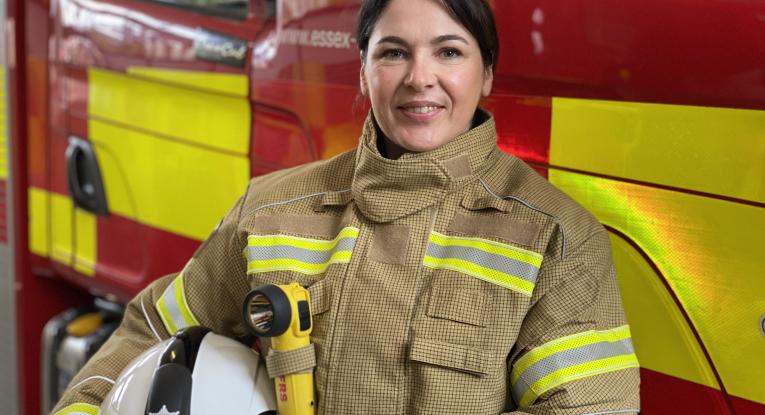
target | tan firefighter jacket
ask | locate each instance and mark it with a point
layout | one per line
(454, 281)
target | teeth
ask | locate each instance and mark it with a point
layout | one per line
(421, 110)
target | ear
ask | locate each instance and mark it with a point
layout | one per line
(362, 78)
(488, 81)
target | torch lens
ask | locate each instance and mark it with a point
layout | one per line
(261, 314)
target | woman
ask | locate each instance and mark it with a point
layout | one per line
(445, 275)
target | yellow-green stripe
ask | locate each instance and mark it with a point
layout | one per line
(483, 273)
(569, 358)
(266, 253)
(494, 262)
(79, 409)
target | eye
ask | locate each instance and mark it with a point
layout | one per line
(393, 54)
(450, 53)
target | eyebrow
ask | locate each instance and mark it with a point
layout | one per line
(440, 39)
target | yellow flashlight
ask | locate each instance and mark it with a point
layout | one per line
(283, 313)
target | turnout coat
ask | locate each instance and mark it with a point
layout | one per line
(451, 281)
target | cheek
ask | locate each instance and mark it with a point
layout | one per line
(382, 84)
(464, 88)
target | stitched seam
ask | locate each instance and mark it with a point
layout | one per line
(534, 208)
(92, 378)
(148, 321)
(619, 411)
(286, 202)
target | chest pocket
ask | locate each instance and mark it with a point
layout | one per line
(494, 262)
(484, 271)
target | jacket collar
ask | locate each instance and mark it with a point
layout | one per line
(385, 190)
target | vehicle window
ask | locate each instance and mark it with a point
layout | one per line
(232, 9)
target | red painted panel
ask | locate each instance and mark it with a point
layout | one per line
(523, 126)
(57, 164)
(120, 250)
(149, 252)
(115, 34)
(662, 394)
(747, 407)
(279, 139)
(672, 51)
(153, 253)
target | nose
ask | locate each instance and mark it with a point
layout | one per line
(421, 75)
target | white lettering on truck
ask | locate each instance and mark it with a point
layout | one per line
(317, 38)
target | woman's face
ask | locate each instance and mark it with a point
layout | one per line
(424, 75)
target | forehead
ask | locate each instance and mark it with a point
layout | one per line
(417, 20)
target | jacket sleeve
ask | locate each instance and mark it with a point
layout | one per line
(574, 353)
(209, 291)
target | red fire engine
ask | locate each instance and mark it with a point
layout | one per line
(119, 112)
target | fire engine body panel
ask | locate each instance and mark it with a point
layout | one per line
(148, 119)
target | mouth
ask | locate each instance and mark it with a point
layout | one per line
(421, 110)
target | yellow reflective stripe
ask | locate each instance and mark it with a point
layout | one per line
(85, 247)
(180, 297)
(280, 252)
(565, 343)
(165, 316)
(4, 159)
(39, 223)
(493, 247)
(286, 264)
(489, 275)
(79, 409)
(173, 308)
(298, 242)
(575, 372)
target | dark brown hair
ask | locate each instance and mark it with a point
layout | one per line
(474, 15)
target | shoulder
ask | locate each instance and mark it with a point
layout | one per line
(516, 183)
(315, 178)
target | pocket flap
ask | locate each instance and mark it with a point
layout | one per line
(458, 299)
(461, 358)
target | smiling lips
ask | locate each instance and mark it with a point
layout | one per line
(421, 110)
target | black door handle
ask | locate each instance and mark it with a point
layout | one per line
(84, 177)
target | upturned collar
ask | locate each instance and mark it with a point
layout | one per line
(385, 190)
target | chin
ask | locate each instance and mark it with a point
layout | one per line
(419, 145)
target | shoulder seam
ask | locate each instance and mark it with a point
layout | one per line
(532, 207)
(288, 201)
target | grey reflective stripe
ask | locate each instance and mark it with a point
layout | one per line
(309, 256)
(485, 259)
(569, 358)
(172, 306)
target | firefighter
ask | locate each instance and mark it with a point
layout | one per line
(445, 275)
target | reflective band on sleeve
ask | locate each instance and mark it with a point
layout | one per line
(570, 358)
(501, 264)
(173, 308)
(79, 409)
(290, 253)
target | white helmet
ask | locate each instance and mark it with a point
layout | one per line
(196, 372)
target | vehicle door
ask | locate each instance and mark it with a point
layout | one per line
(150, 132)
